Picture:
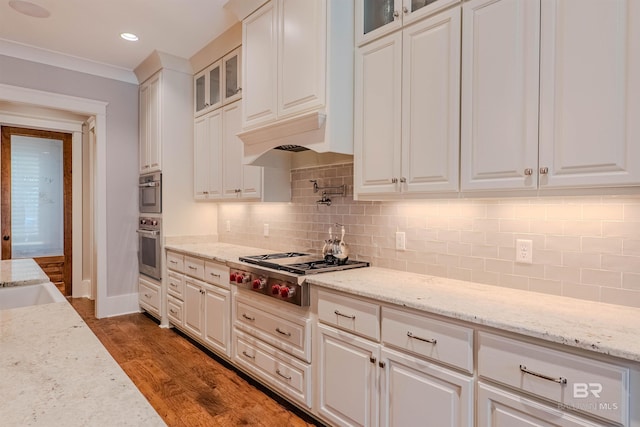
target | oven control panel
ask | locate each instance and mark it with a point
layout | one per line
(275, 288)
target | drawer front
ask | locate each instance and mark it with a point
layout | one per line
(149, 295)
(350, 314)
(278, 369)
(278, 332)
(571, 381)
(194, 267)
(174, 310)
(217, 274)
(175, 285)
(430, 338)
(175, 261)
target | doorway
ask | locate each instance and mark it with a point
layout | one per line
(36, 201)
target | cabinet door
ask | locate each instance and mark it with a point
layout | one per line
(431, 104)
(232, 151)
(201, 158)
(208, 156)
(302, 27)
(193, 316)
(377, 122)
(348, 372)
(231, 64)
(143, 143)
(150, 123)
(375, 18)
(414, 391)
(500, 61)
(498, 408)
(259, 66)
(414, 10)
(590, 93)
(217, 304)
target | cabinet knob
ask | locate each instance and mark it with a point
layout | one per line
(405, 10)
(528, 171)
(239, 90)
(395, 14)
(394, 180)
(403, 179)
(544, 171)
(5, 237)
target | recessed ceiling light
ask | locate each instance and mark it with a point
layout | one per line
(129, 36)
(29, 9)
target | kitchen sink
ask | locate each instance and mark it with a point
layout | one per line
(28, 295)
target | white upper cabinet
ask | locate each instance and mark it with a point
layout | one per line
(285, 54)
(150, 144)
(589, 93)
(407, 102)
(207, 86)
(207, 156)
(500, 57)
(550, 94)
(375, 18)
(231, 77)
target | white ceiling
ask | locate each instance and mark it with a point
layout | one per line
(90, 30)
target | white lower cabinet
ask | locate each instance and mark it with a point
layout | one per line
(500, 408)
(348, 378)
(273, 343)
(206, 314)
(415, 392)
(149, 296)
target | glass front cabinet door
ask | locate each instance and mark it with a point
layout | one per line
(375, 18)
(231, 83)
(208, 88)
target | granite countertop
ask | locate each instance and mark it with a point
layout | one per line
(55, 371)
(598, 327)
(19, 272)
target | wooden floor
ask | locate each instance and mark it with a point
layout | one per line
(184, 384)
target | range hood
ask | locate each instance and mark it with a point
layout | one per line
(275, 144)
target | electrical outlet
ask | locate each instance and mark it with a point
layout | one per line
(401, 241)
(266, 230)
(228, 226)
(524, 251)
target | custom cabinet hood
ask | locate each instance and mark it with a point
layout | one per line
(297, 73)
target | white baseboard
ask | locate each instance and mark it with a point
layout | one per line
(82, 289)
(120, 304)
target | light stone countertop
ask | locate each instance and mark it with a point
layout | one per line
(19, 272)
(55, 372)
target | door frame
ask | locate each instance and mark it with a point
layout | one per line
(67, 194)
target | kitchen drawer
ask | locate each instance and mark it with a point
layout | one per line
(281, 333)
(281, 371)
(149, 295)
(194, 267)
(427, 337)
(497, 408)
(174, 310)
(217, 274)
(175, 261)
(573, 381)
(350, 314)
(175, 285)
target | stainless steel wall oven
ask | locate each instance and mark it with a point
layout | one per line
(149, 247)
(150, 197)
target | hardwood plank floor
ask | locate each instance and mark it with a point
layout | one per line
(186, 385)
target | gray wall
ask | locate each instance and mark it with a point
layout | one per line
(122, 155)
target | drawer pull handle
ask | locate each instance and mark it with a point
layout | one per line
(353, 316)
(248, 317)
(559, 380)
(432, 341)
(248, 355)
(172, 311)
(173, 262)
(282, 375)
(191, 267)
(147, 295)
(215, 275)
(173, 285)
(280, 331)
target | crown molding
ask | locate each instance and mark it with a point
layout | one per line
(60, 60)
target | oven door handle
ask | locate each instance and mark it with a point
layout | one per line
(149, 232)
(149, 184)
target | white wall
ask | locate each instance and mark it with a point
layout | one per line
(121, 155)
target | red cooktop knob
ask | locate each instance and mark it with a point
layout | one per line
(286, 292)
(275, 289)
(240, 278)
(258, 284)
(232, 277)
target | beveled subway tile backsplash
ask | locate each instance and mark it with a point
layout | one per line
(585, 247)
